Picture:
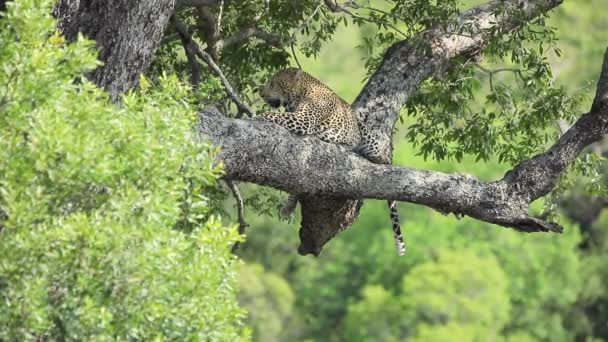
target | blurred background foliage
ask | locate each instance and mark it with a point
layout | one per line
(461, 280)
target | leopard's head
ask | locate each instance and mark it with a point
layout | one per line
(283, 88)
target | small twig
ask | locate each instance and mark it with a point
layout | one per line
(240, 207)
(354, 5)
(295, 57)
(335, 7)
(168, 38)
(241, 106)
(303, 26)
(496, 71)
(492, 72)
(218, 22)
(191, 56)
(272, 39)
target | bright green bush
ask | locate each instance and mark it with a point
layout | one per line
(106, 211)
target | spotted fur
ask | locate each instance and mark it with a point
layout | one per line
(312, 108)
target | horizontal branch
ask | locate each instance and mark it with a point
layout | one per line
(262, 153)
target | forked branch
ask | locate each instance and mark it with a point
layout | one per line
(191, 45)
(262, 153)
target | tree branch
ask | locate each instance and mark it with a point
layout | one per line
(190, 51)
(262, 153)
(240, 210)
(405, 66)
(183, 31)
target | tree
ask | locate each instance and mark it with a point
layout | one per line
(445, 45)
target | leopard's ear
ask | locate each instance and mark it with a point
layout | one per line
(299, 74)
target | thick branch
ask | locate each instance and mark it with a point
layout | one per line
(190, 51)
(262, 153)
(406, 65)
(547, 166)
(127, 33)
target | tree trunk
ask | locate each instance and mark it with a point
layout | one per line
(128, 32)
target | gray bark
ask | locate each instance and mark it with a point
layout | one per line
(127, 33)
(262, 153)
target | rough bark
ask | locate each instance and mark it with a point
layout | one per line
(262, 153)
(404, 67)
(583, 208)
(127, 33)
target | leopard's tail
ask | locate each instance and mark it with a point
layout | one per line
(399, 241)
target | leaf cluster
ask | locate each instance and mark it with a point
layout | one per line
(108, 226)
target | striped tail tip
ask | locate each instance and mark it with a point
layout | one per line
(399, 241)
(400, 246)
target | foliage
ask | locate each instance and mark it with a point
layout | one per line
(458, 287)
(519, 114)
(269, 300)
(107, 229)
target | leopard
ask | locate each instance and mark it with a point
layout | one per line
(312, 108)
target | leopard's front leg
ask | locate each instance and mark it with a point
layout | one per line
(301, 123)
